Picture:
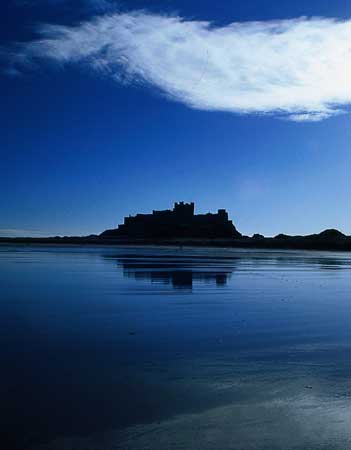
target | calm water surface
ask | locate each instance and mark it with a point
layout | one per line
(167, 348)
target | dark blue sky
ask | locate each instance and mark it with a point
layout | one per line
(79, 151)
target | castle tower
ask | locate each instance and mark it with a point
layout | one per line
(184, 210)
(223, 215)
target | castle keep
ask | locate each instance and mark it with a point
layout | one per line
(181, 221)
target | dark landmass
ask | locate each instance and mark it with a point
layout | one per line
(327, 240)
(181, 227)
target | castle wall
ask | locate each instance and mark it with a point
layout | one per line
(179, 222)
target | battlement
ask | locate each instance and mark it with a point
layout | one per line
(184, 209)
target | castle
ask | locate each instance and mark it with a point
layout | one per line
(181, 221)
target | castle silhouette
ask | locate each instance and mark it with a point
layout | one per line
(180, 222)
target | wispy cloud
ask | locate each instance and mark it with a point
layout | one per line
(298, 69)
(100, 5)
(17, 232)
(96, 4)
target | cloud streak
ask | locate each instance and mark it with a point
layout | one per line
(92, 5)
(296, 69)
(17, 232)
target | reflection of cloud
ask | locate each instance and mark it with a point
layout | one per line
(298, 420)
(301, 424)
(298, 69)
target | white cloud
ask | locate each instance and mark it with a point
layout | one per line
(299, 69)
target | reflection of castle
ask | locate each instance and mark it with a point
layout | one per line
(179, 279)
(178, 272)
(178, 222)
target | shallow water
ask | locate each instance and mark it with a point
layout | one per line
(174, 348)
